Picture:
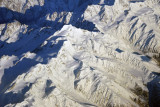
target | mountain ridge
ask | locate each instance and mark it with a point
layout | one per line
(79, 53)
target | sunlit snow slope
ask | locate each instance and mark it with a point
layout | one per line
(79, 53)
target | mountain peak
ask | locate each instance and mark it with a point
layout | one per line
(79, 53)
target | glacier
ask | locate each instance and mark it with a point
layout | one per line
(79, 53)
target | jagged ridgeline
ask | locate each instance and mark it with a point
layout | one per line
(79, 53)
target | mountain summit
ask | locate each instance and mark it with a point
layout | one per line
(79, 53)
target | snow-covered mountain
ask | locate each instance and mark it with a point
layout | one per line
(79, 53)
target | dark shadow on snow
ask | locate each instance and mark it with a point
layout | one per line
(13, 98)
(145, 58)
(31, 41)
(119, 50)
(154, 90)
(134, 1)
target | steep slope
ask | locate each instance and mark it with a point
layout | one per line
(137, 23)
(69, 53)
